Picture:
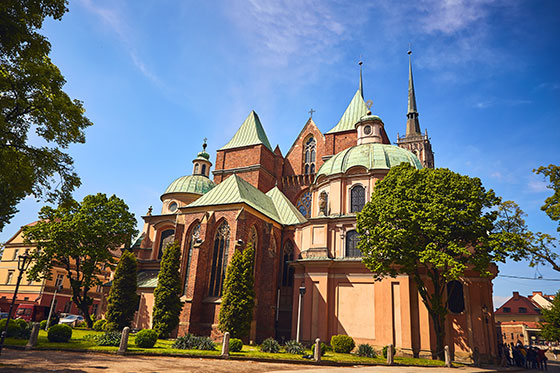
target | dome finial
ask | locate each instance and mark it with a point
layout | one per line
(204, 144)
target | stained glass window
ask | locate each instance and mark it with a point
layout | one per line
(357, 198)
(219, 260)
(303, 204)
(195, 234)
(352, 239)
(309, 156)
(167, 236)
(287, 271)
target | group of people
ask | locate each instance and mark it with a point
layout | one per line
(525, 357)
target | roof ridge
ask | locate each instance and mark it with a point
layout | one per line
(251, 132)
(286, 210)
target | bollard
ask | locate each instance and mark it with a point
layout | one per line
(124, 341)
(317, 352)
(447, 356)
(390, 359)
(225, 346)
(33, 337)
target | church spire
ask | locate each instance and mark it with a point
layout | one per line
(412, 123)
(361, 83)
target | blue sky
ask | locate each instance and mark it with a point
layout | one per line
(156, 77)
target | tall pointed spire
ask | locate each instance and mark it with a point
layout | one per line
(412, 124)
(361, 83)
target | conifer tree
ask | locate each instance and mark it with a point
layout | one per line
(123, 300)
(238, 300)
(167, 303)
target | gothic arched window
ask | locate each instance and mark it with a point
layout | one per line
(309, 151)
(303, 204)
(219, 260)
(352, 239)
(455, 296)
(167, 236)
(286, 270)
(195, 234)
(357, 198)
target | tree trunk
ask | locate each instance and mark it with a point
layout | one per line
(439, 328)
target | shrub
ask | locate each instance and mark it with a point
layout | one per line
(366, 350)
(294, 347)
(385, 351)
(81, 324)
(109, 339)
(99, 325)
(323, 348)
(146, 338)
(186, 342)
(14, 329)
(342, 343)
(59, 333)
(90, 338)
(43, 324)
(111, 326)
(270, 345)
(22, 323)
(205, 343)
(235, 345)
(122, 302)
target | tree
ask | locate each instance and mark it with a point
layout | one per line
(433, 225)
(551, 320)
(80, 237)
(236, 311)
(552, 204)
(123, 300)
(167, 302)
(32, 99)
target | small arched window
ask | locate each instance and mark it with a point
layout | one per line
(309, 153)
(196, 168)
(352, 239)
(286, 270)
(195, 234)
(455, 297)
(219, 260)
(303, 204)
(357, 198)
(167, 236)
(203, 172)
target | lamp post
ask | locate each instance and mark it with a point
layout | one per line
(23, 263)
(56, 289)
(301, 293)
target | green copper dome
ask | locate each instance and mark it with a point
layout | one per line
(196, 184)
(371, 156)
(204, 155)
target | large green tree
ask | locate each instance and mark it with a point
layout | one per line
(167, 294)
(551, 320)
(80, 237)
(122, 302)
(238, 300)
(433, 225)
(32, 100)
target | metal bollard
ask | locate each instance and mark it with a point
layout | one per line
(447, 356)
(33, 337)
(225, 346)
(390, 359)
(317, 352)
(124, 341)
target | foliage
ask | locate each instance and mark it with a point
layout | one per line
(14, 329)
(79, 237)
(167, 303)
(112, 338)
(235, 345)
(550, 327)
(294, 347)
(91, 338)
(270, 345)
(22, 323)
(99, 325)
(385, 348)
(43, 324)
(366, 350)
(205, 343)
(123, 300)
(81, 324)
(186, 342)
(552, 204)
(324, 348)
(33, 104)
(342, 343)
(431, 224)
(146, 338)
(59, 333)
(238, 299)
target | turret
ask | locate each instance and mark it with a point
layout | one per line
(202, 164)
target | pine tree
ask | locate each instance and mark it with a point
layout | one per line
(167, 303)
(123, 300)
(238, 300)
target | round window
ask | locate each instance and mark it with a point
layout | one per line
(367, 130)
(172, 207)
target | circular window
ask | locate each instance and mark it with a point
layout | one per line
(367, 130)
(172, 207)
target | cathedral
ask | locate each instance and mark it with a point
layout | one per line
(299, 211)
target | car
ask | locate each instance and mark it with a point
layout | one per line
(71, 320)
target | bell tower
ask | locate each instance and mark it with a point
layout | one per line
(414, 140)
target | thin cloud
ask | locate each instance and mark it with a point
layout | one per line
(537, 186)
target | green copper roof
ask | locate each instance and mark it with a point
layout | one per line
(370, 156)
(203, 155)
(288, 213)
(355, 110)
(196, 184)
(147, 279)
(251, 132)
(236, 190)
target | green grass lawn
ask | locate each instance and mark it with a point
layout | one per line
(164, 347)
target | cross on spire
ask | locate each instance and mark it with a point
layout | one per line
(311, 113)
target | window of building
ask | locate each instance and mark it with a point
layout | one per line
(303, 204)
(219, 260)
(357, 198)
(16, 252)
(522, 310)
(309, 151)
(59, 280)
(172, 207)
(196, 168)
(286, 270)
(352, 239)
(10, 276)
(507, 310)
(195, 234)
(455, 297)
(167, 236)
(67, 307)
(203, 169)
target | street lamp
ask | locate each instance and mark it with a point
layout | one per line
(23, 263)
(301, 293)
(56, 289)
